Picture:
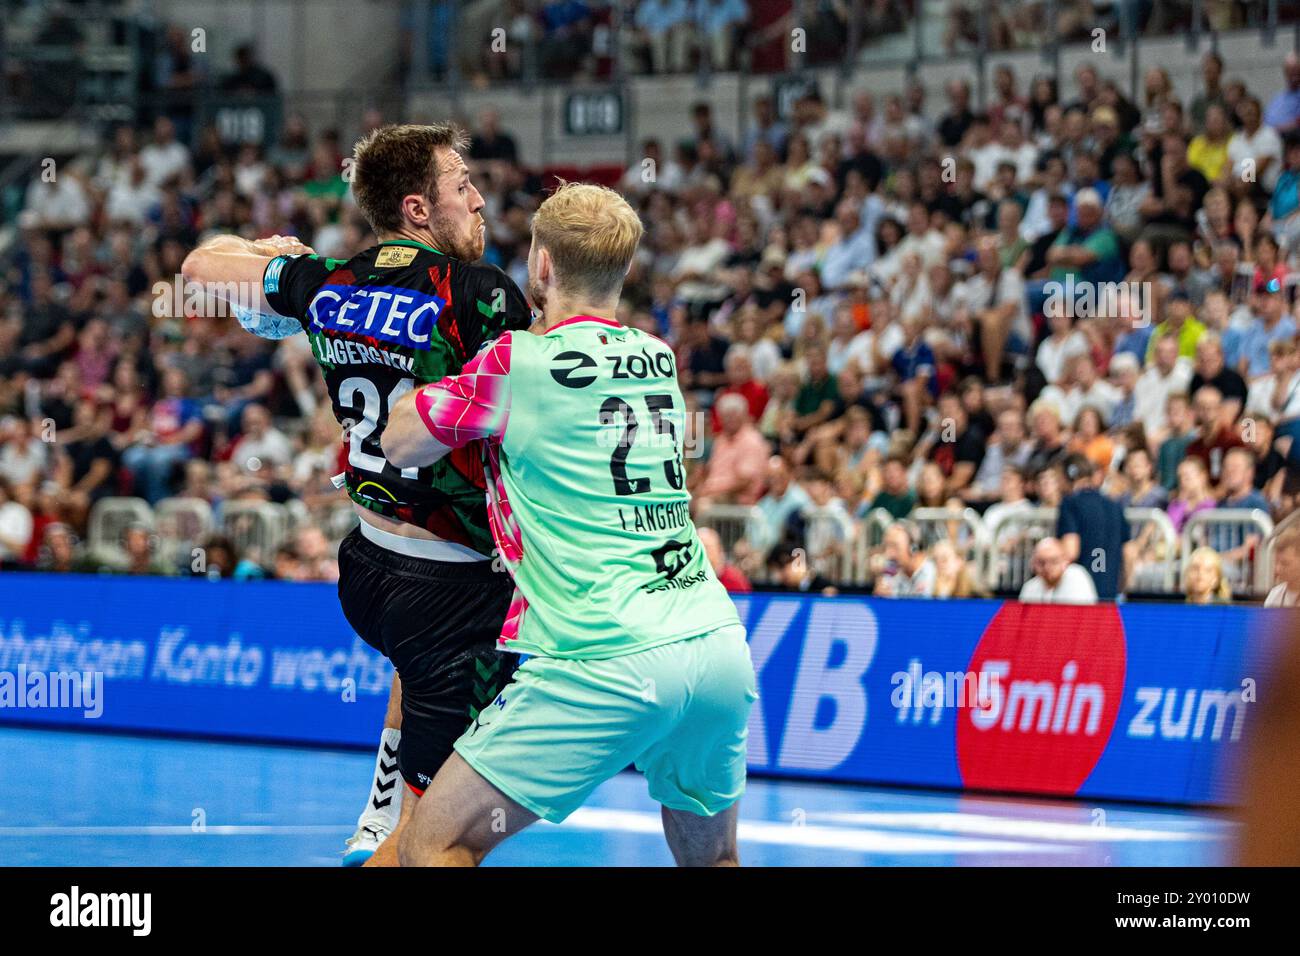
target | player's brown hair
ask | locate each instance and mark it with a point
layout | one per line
(591, 233)
(395, 161)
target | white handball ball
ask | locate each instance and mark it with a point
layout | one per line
(266, 325)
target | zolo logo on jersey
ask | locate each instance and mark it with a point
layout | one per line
(573, 376)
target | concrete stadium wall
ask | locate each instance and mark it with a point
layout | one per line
(319, 46)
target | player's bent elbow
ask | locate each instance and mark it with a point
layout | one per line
(401, 439)
(396, 450)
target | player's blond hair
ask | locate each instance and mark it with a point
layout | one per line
(591, 234)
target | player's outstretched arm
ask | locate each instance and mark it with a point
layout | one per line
(231, 268)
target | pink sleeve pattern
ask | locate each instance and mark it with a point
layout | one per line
(474, 404)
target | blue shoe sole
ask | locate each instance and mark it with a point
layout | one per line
(357, 857)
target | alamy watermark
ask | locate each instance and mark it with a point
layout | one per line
(53, 690)
(917, 691)
(623, 433)
(1084, 299)
(209, 300)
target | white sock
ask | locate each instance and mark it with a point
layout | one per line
(384, 805)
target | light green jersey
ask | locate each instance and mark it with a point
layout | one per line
(591, 469)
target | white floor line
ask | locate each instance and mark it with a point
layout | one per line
(625, 821)
(915, 833)
(821, 837)
(992, 825)
(177, 830)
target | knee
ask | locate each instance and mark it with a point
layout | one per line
(414, 851)
(710, 857)
(411, 850)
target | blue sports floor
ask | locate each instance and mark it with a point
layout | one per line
(102, 800)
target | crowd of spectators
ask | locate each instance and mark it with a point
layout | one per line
(561, 38)
(878, 306)
(1055, 296)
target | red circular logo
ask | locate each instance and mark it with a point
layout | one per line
(1049, 679)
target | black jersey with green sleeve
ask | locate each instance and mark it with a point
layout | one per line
(397, 316)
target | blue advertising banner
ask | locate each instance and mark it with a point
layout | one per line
(267, 660)
(1130, 702)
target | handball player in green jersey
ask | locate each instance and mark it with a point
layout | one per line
(636, 652)
(416, 576)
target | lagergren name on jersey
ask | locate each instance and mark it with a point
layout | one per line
(349, 352)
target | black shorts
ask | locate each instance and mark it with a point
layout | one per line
(438, 622)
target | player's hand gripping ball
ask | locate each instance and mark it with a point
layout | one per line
(279, 245)
(268, 325)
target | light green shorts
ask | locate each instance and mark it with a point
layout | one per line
(679, 712)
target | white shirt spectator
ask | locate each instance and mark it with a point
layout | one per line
(1264, 144)
(23, 464)
(1075, 587)
(162, 161)
(835, 122)
(920, 583)
(988, 479)
(929, 246)
(57, 204)
(911, 128)
(827, 527)
(641, 178)
(1037, 223)
(1025, 156)
(249, 177)
(776, 513)
(986, 159)
(932, 247)
(912, 300)
(131, 202)
(331, 241)
(857, 350)
(1052, 354)
(1153, 390)
(1102, 396)
(999, 510)
(892, 338)
(797, 314)
(702, 260)
(1281, 596)
(978, 294)
(112, 170)
(268, 450)
(309, 461)
(15, 528)
(1259, 399)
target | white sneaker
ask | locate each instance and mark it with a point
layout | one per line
(362, 845)
(383, 806)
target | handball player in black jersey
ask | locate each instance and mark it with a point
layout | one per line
(417, 579)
